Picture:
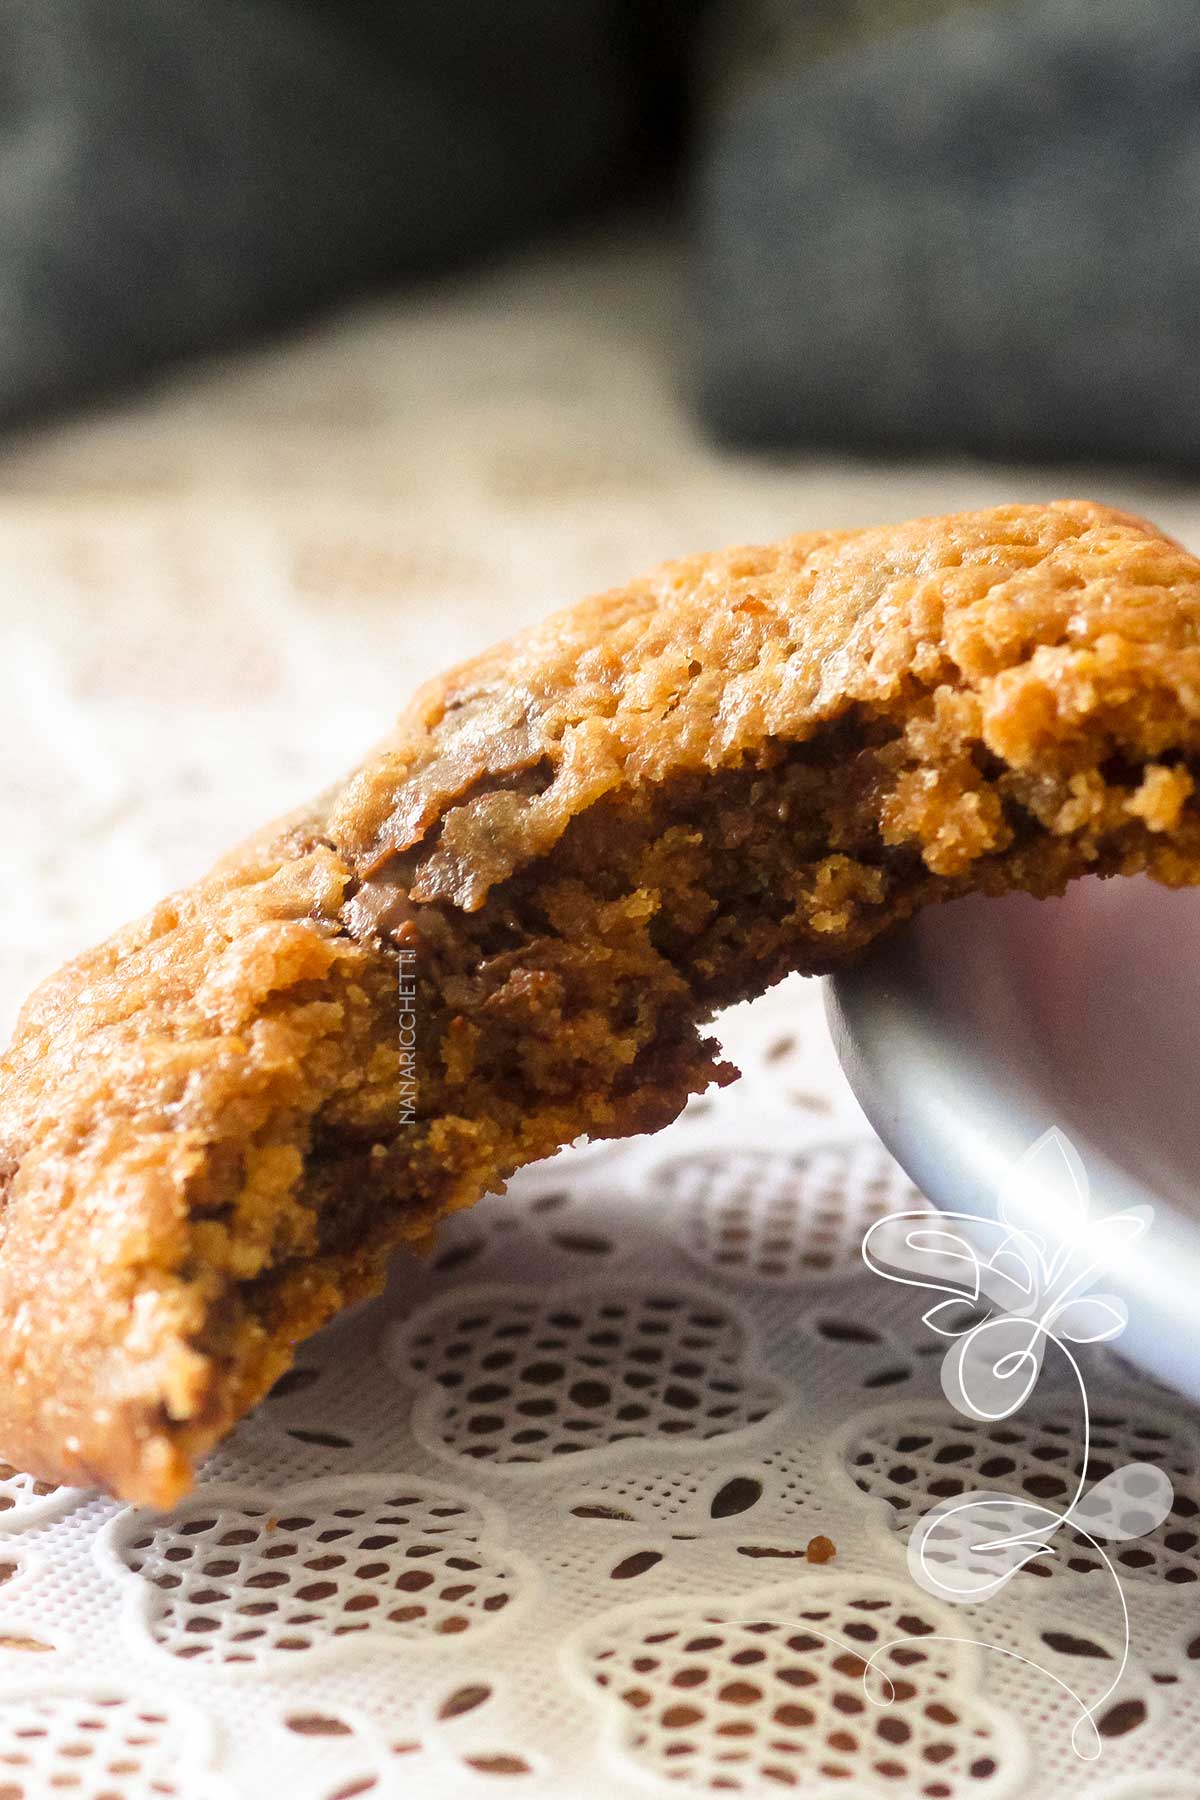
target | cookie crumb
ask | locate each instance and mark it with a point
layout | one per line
(1161, 798)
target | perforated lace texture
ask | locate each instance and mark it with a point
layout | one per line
(610, 1495)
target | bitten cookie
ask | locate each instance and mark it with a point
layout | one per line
(509, 927)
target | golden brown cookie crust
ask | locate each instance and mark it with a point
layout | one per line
(567, 855)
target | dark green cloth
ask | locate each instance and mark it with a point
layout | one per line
(175, 173)
(983, 233)
(974, 230)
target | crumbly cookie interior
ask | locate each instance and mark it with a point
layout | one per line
(575, 999)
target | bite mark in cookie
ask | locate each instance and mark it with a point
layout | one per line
(511, 925)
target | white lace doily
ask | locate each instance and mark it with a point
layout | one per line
(540, 1521)
(542, 1518)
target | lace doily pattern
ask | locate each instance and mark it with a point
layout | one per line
(907, 1457)
(737, 1209)
(25, 1501)
(610, 1494)
(242, 1577)
(89, 1743)
(511, 1378)
(829, 1681)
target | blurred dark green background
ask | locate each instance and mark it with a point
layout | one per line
(911, 225)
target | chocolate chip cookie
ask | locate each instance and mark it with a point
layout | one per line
(510, 926)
